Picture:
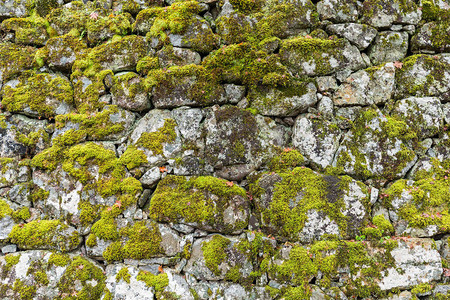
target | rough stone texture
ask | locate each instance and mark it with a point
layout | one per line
(358, 34)
(274, 102)
(418, 262)
(367, 87)
(282, 149)
(317, 139)
(388, 46)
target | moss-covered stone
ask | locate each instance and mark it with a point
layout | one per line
(45, 234)
(208, 202)
(50, 94)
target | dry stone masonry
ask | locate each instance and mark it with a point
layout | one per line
(224, 149)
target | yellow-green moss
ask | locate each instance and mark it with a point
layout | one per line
(214, 252)
(158, 282)
(380, 227)
(154, 140)
(178, 199)
(123, 274)
(5, 210)
(33, 90)
(25, 292)
(59, 259)
(90, 278)
(43, 234)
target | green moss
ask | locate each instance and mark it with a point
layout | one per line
(158, 282)
(15, 59)
(106, 229)
(421, 288)
(11, 261)
(90, 278)
(154, 140)
(286, 160)
(41, 277)
(59, 259)
(243, 63)
(123, 274)
(380, 227)
(146, 64)
(5, 210)
(21, 214)
(317, 51)
(288, 212)
(214, 252)
(174, 19)
(32, 92)
(177, 199)
(429, 204)
(33, 30)
(25, 292)
(43, 234)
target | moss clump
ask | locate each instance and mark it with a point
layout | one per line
(286, 160)
(33, 30)
(243, 63)
(11, 261)
(214, 252)
(59, 259)
(146, 64)
(154, 140)
(5, 210)
(24, 291)
(174, 19)
(34, 91)
(199, 84)
(380, 227)
(429, 203)
(21, 214)
(133, 157)
(90, 278)
(421, 288)
(43, 234)
(139, 241)
(123, 274)
(15, 59)
(177, 199)
(158, 282)
(105, 26)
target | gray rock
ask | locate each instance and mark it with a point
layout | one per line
(151, 177)
(128, 92)
(317, 139)
(423, 114)
(120, 289)
(423, 76)
(316, 57)
(156, 121)
(326, 83)
(175, 56)
(234, 93)
(13, 9)
(388, 46)
(338, 11)
(277, 102)
(383, 14)
(369, 149)
(237, 141)
(366, 87)
(359, 34)
(9, 249)
(326, 107)
(346, 115)
(416, 262)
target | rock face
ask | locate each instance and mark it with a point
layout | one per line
(235, 149)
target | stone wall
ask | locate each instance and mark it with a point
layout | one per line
(232, 149)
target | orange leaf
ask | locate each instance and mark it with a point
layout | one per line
(230, 183)
(162, 169)
(160, 269)
(398, 64)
